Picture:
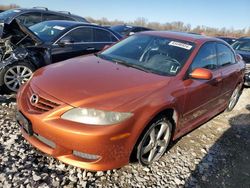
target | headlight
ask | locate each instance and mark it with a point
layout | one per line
(95, 117)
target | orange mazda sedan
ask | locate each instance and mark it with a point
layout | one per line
(132, 99)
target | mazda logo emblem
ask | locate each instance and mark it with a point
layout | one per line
(34, 99)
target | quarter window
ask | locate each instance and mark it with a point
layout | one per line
(225, 55)
(206, 57)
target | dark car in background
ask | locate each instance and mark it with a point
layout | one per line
(242, 47)
(35, 15)
(127, 30)
(229, 40)
(24, 50)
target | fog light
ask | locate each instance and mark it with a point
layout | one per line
(85, 155)
(45, 141)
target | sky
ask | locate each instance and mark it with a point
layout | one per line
(212, 13)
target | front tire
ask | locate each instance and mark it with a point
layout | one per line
(155, 141)
(15, 75)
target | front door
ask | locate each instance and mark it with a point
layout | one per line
(203, 96)
(77, 42)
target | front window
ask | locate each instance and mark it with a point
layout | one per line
(80, 35)
(163, 56)
(48, 31)
(242, 46)
(206, 57)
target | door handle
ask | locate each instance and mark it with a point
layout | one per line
(90, 48)
(216, 81)
(219, 79)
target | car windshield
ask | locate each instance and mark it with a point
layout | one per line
(242, 45)
(9, 14)
(163, 56)
(48, 31)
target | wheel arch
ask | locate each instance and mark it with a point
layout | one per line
(170, 112)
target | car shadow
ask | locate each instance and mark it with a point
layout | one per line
(227, 163)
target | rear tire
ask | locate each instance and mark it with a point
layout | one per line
(234, 98)
(15, 75)
(154, 141)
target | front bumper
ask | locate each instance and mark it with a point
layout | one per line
(89, 147)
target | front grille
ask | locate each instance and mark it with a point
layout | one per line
(43, 104)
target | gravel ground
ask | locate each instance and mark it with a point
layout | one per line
(217, 154)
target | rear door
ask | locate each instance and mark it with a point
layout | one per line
(203, 96)
(229, 69)
(79, 42)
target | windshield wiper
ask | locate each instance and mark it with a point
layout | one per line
(122, 62)
(141, 68)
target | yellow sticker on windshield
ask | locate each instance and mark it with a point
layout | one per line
(180, 45)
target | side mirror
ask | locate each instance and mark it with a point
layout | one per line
(64, 41)
(239, 58)
(201, 73)
(131, 33)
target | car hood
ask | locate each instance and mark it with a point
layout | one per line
(93, 82)
(15, 28)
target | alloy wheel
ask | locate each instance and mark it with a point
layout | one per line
(155, 143)
(234, 98)
(17, 75)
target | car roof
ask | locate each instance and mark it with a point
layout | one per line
(73, 23)
(45, 10)
(190, 37)
(129, 26)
